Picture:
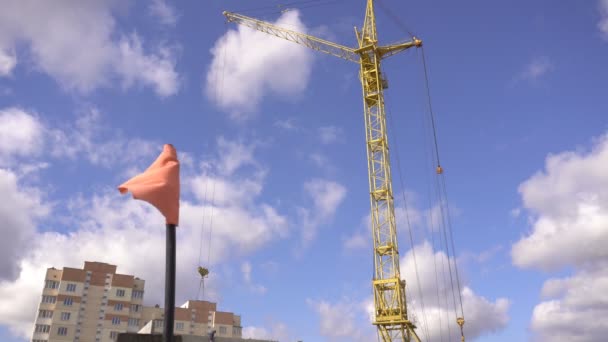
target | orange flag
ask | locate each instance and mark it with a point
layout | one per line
(158, 185)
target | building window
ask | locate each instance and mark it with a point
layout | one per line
(62, 331)
(65, 316)
(236, 332)
(137, 294)
(133, 322)
(42, 328)
(71, 288)
(51, 284)
(68, 302)
(135, 307)
(118, 307)
(45, 314)
(223, 331)
(120, 293)
(179, 326)
(49, 299)
(115, 320)
(114, 335)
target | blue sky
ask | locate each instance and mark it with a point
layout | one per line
(89, 93)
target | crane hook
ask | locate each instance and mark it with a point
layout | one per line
(460, 321)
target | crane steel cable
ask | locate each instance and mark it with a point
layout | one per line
(200, 247)
(449, 221)
(218, 97)
(394, 18)
(447, 218)
(431, 218)
(409, 226)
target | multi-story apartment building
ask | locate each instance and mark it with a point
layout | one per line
(95, 304)
(90, 304)
(194, 318)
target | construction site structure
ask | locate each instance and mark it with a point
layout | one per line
(391, 314)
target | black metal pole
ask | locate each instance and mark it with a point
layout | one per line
(169, 284)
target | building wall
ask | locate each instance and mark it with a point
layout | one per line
(196, 318)
(95, 304)
(92, 304)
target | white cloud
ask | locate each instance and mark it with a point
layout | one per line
(278, 332)
(482, 315)
(536, 69)
(287, 124)
(359, 240)
(246, 270)
(344, 320)
(248, 65)
(163, 12)
(104, 227)
(20, 209)
(84, 49)
(88, 138)
(21, 134)
(330, 134)
(234, 155)
(156, 71)
(568, 210)
(567, 203)
(326, 196)
(8, 61)
(572, 307)
(420, 220)
(602, 25)
(323, 162)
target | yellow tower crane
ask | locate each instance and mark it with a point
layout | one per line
(391, 316)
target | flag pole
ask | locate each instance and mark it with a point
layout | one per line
(169, 284)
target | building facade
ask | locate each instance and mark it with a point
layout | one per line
(95, 304)
(194, 317)
(90, 304)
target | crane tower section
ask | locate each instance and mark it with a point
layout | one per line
(391, 316)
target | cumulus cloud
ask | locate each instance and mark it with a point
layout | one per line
(234, 155)
(246, 270)
(536, 69)
(567, 203)
(278, 332)
(21, 134)
(350, 320)
(345, 320)
(8, 61)
(163, 12)
(568, 208)
(572, 306)
(88, 138)
(602, 25)
(20, 209)
(419, 219)
(84, 49)
(248, 65)
(286, 125)
(326, 197)
(482, 316)
(104, 226)
(330, 134)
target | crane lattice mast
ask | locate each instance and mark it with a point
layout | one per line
(391, 316)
